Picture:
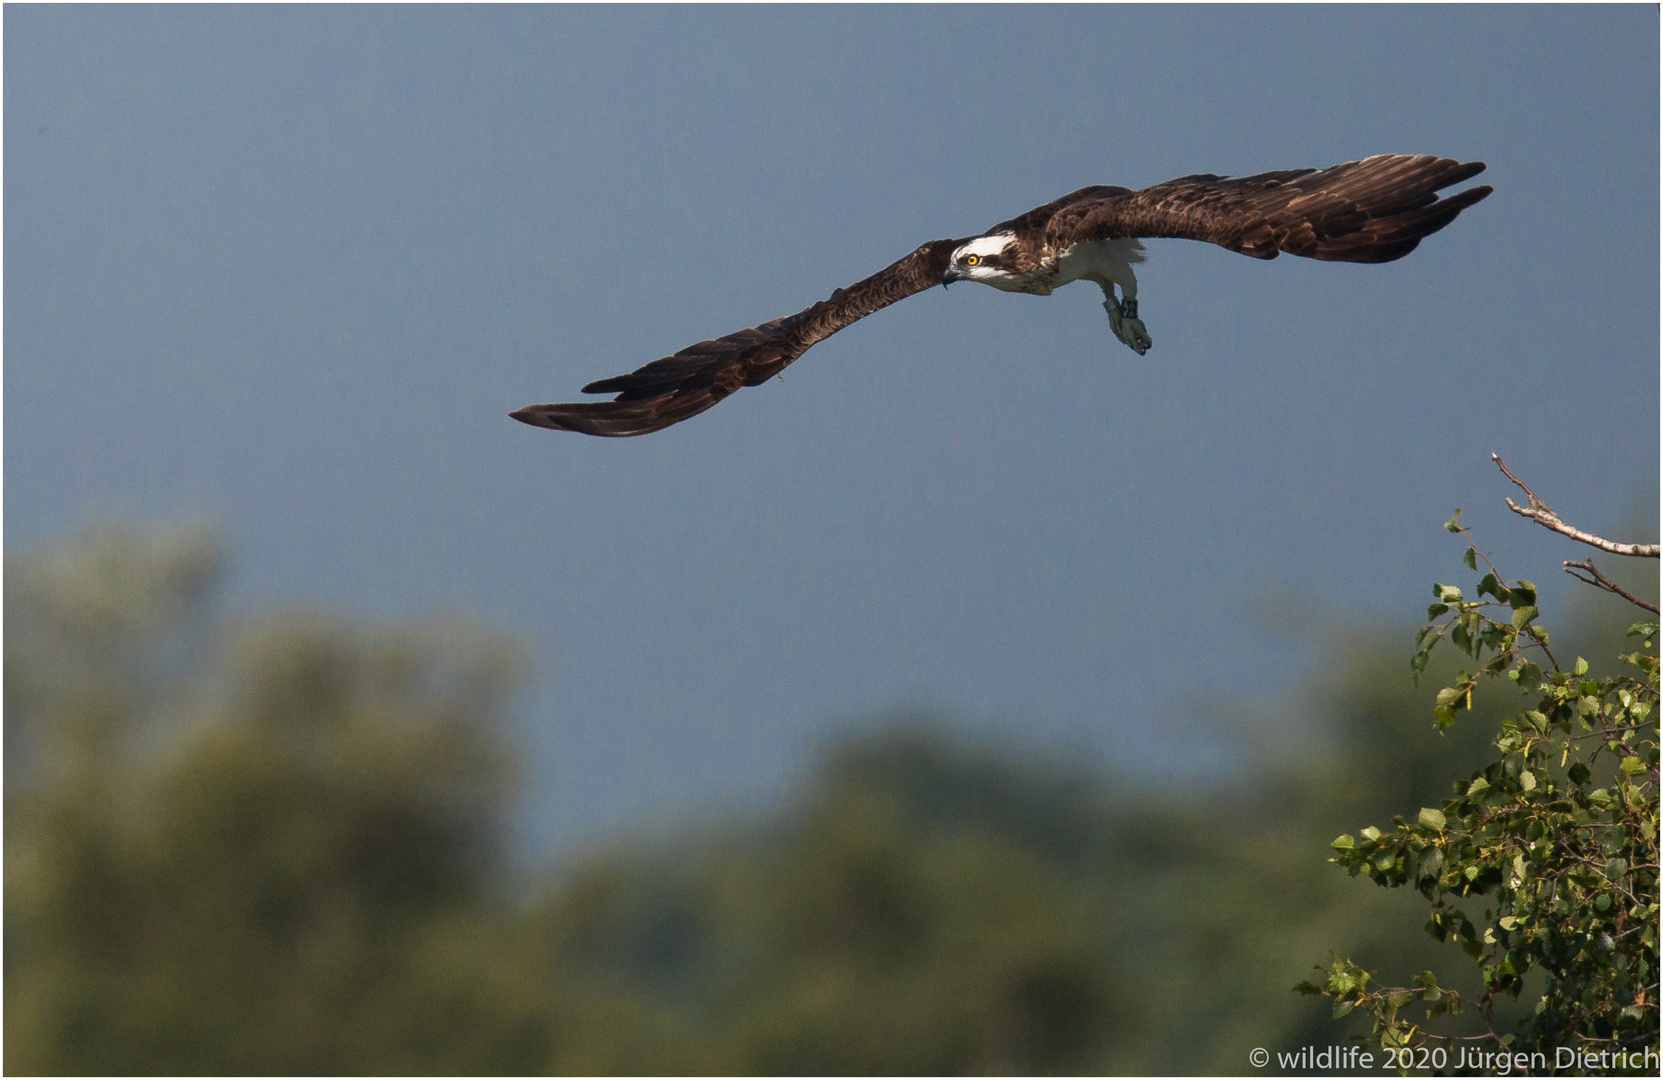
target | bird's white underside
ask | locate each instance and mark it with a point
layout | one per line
(1103, 261)
(1107, 262)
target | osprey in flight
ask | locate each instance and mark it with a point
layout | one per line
(1368, 211)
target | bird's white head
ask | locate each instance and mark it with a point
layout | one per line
(982, 259)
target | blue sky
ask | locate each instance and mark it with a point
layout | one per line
(286, 270)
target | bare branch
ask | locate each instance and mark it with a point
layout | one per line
(1600, 581)
(1543, 514)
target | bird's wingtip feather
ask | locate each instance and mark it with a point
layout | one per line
(538, 416)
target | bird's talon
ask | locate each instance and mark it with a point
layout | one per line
(1127, 326)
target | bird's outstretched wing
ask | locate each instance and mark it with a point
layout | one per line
(670, 390)
(1369, 211)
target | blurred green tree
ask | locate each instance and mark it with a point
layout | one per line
(244, 847)
(279, 844)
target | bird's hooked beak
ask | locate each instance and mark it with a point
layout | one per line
(953, 274)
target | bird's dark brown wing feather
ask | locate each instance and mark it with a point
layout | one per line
(1374, 210)
(670, 390)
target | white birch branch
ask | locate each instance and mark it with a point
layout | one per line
(1543, 514)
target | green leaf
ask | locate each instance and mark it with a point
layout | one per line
(1581, 666)
(1579, 773)
(1343, 842)
(1371, 834)
(1631, 765)
(1432, 819)
(1523, 593)
(1434, 610)
(1454, 522)
(1478, 786)
(1523, 615)
(1527, 780)
(1471, 558)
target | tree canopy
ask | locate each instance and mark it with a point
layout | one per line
(1545, 860)
(278, 842)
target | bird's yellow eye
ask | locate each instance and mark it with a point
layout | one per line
(972, 260)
